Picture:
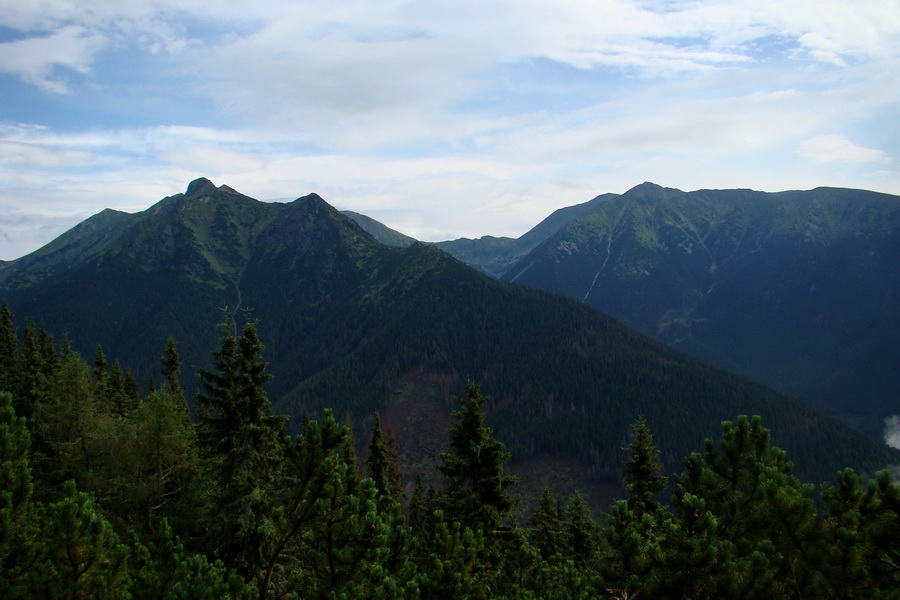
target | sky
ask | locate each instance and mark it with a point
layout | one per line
(439, 119)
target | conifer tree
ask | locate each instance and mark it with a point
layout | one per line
(65, 425)
(100, 365)
(131, 388)
(33, 377)
(582, 531)
(119, 400)
(171, 368)
(17, 519)
(760, 508)
(548, 529)
(243, 441)
(642, 471)
(163, 568)
(421, 518)
(81, 555)
(333, 537)
(47, 349)
(456, 566)
(9, 350)
(860, 556)
(477, 491)
(383, 467)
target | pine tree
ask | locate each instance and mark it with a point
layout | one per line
(117, 396)
(81, 555)
(642, 471)
(759, 507)
(100, 365)
(421, 518)
(243, 441)
(9, 346)
(163, 568)
(860, 556)
(477, 491)
(333, 537)
(383, 467)
(548, 531)
(17, 519)
(146, 467)
(33, 377)
(582, 533)
(457, 566)
(171, 369)
(65, 426)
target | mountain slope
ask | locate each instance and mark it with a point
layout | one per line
(361, 327)
(380, 231)
(494, 256)
(799, 290)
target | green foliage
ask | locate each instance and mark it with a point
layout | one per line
(17, 524)
(243, 442)
(861, 545)
(642, 471)
(171, 369)
(9, 343)
(477, 490)
(164, 570)
(383, 466)
(147, 466)
(548, 531)
(457, 567)
(265, 516)
(764, 513)
(333, 535)
(80, 553)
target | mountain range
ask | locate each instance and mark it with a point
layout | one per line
(799, 290)
(359, 326)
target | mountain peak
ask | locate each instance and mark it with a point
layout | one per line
(650, 190)
(198, 186)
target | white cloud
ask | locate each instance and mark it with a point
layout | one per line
(430, 114)
(831, 148)
(38, 60)
(40, 156)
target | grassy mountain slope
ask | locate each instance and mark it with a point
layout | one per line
(796, 289)
(358, 326)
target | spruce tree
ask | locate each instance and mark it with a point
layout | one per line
(548, 529)
(100, 365)
(9, 350)
(642, 471)
(33, 377)
(582, 533)
(171, 369)
(383, 467)
(477, 487)
(421, 518)
(243, 442)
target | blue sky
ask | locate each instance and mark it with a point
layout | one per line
(440, 119)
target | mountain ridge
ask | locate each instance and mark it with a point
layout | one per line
(671, 263)
(361, 327)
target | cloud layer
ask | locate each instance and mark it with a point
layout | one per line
(441, 119)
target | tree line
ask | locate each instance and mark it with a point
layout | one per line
(110, 492)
